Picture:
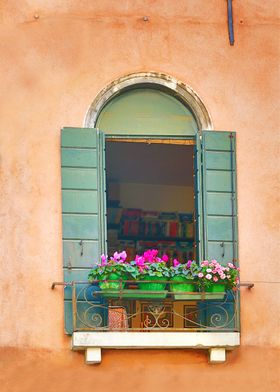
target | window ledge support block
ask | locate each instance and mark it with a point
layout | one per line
(93, 355)
(217, 355)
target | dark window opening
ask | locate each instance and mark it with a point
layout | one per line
(150, 198)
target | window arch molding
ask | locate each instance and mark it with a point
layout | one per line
(163, 82)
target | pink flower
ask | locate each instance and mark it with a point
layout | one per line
(119, 257)
(189, 263)
(103, 259)
(208, 276)
(139, 261)
(208, 270)
(215, 278)
(123, 255)
(205, 263)
(230, 265)
(175, 262)
(150, 255)
(165, 258)
(223, 276)
(200, 275)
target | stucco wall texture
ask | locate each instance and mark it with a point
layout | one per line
(55, 58)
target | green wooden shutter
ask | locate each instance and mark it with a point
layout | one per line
(83, 206)
(216, 191)
(218, 169)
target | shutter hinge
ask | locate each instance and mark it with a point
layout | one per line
(82, 247)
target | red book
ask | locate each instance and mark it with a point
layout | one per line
(173, 229)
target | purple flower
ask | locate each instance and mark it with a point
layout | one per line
(165, 258)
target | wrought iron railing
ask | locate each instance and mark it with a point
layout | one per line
(152, 311)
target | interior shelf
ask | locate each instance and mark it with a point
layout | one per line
(145, 238)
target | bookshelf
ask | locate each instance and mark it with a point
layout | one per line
(135, 230)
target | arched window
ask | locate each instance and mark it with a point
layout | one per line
(174, 181)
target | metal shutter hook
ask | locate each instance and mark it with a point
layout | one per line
(222, 245)
(82, 247)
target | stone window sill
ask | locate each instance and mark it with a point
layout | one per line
(215, 342)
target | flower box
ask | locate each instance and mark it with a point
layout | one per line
(150, 274)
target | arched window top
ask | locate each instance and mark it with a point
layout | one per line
(146, 111)
(118, 108)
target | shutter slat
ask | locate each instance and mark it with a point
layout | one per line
(77, 255)
(79, 201)
(79, 158)
(218, 159)
(219, 204)
(85, 137)
(79, 178)
(83, 227)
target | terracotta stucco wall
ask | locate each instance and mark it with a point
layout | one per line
(55, 58)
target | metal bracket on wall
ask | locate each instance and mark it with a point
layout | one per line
(61, 284)
(230, 22)
(249, 285)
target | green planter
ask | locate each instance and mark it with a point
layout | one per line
(218, 288)
(133, 294)
(215, 291)
(186, 285)
(112, 285)
(151, 286)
